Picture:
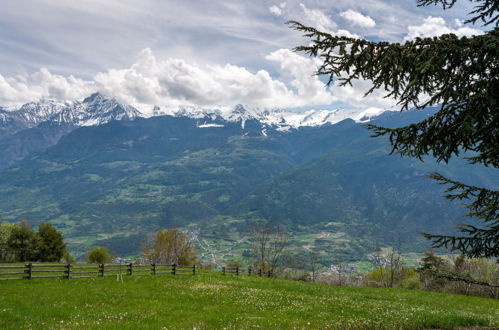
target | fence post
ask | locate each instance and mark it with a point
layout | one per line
(260, 272)
(29, 270)
(249, 270)
(174, 270)
(223, 270)
(101, 270)
(193, 269)
(130, 269)
(68, 271)
(154, 268)
(268, 274)
(237, 271)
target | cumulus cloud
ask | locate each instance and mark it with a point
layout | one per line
(358, 19)
(354, 96)
(322, 22)
(20, 89)
(275, 10)
(175, 82)
(278, 10)
(435, 26)
(301, 69)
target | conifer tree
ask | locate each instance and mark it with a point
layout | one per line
(461, 77)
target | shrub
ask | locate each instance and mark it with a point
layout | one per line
(411, 283)
(68, 258)
(234, 264)
(98, 255)
(377, 277)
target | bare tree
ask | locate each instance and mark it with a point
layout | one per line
(394, 264)
(268, 244)
(278, 243)
(313, 258)
(260, 238)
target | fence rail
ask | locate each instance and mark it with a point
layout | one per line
(234, 270)
(259, 272)
(30, 271)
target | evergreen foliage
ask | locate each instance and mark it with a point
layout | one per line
(461, 76)
(51, 246)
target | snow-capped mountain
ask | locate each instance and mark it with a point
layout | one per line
(279, 119)
(96, 109)
(33, 113)
(99, 109)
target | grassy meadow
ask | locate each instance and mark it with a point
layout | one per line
(210, 300)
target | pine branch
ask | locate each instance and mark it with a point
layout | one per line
(483, 12)
(460, 75)
(466, 278)
(484, 205)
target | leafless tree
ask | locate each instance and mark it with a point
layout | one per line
(394, 264)
(313, 258)
(260, 238)
(268, 244)
(278, 243)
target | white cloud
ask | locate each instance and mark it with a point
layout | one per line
(20, 89)
(354, 96)
(275, 10)
(435, 26)
(302, 69)
(323, 22)
(318, 19)
(358, 19)
(175, 82)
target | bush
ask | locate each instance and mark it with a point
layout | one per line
(234, 264)
(377, 278)
(98, 255)
(411, 283)
(68, 258)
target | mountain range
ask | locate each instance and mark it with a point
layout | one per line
(106, 174)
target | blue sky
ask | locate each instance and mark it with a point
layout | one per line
(201, 53)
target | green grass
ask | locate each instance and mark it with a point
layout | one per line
(209, 300)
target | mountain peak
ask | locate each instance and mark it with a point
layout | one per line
(95, 97)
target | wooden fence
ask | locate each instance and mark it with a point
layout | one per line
(236, 271)
(69, 271)
(227, 270)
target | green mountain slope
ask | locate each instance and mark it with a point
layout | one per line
(332, 186)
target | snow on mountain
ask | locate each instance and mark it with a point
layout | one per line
(99, 109)
(96, 109)
(33, 113)
(280, 119)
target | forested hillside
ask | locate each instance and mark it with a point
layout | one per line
(333, 184)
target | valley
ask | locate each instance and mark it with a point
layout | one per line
(334, 188)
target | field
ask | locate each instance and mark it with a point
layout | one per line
(210, 300)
